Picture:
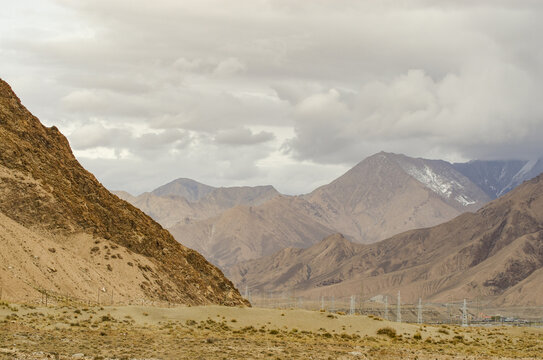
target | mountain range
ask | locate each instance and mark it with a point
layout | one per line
(63, 233)
(495, 253)
(383, 195)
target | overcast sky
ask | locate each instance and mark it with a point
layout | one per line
(288, 93)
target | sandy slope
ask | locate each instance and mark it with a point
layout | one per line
(32, 262)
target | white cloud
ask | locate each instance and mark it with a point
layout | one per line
(176, 88)
(229, 66)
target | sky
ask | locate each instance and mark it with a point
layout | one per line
(288, 93)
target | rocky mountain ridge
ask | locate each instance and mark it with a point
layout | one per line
(495, 253)
(383, 195)
(45, 190)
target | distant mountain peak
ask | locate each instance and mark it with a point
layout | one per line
(191, 190)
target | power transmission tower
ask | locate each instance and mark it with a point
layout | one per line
(419, 312)
(399, 309)
(464, 314)
(246, 292)
(351, 311)
(322, 303)
(386, 307)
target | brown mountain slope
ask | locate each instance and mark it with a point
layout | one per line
(187, 188)
(381, 196)
(388, 193)
(168, 205)
(45, 189)
(496, 253)
(247, 232)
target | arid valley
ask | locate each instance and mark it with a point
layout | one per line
(271, 179)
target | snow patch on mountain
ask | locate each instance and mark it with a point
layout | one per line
(442, 185)
(462, 200)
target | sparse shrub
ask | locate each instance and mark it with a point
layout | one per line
(443, 331)
(274, 332)
(417, 336)
(388, 331)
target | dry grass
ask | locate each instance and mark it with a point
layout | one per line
(210, 332)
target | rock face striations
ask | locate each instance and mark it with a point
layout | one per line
(44, 189)
(495, 253)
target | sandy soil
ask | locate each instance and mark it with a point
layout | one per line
(132, 332)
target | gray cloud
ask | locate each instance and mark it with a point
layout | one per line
(147, 92)
(243, 136)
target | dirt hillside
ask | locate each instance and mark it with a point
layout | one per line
(495, 253)
(45, 189)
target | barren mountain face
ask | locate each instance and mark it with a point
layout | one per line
(44, 190)
(186, 201)
(495, 253)
(387, 193)
(382, 196)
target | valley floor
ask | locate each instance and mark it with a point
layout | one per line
(214, 332)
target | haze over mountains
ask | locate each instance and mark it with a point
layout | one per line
(495, 253)
(381, 196)
(64, 233)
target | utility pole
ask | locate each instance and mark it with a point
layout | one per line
(399, 309)
(333, 305)
(246, 292)
(322, 303)
(386, 307)
(419, 312)
(449, 309)
(464, 314)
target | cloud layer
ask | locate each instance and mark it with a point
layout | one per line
(281, 92)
